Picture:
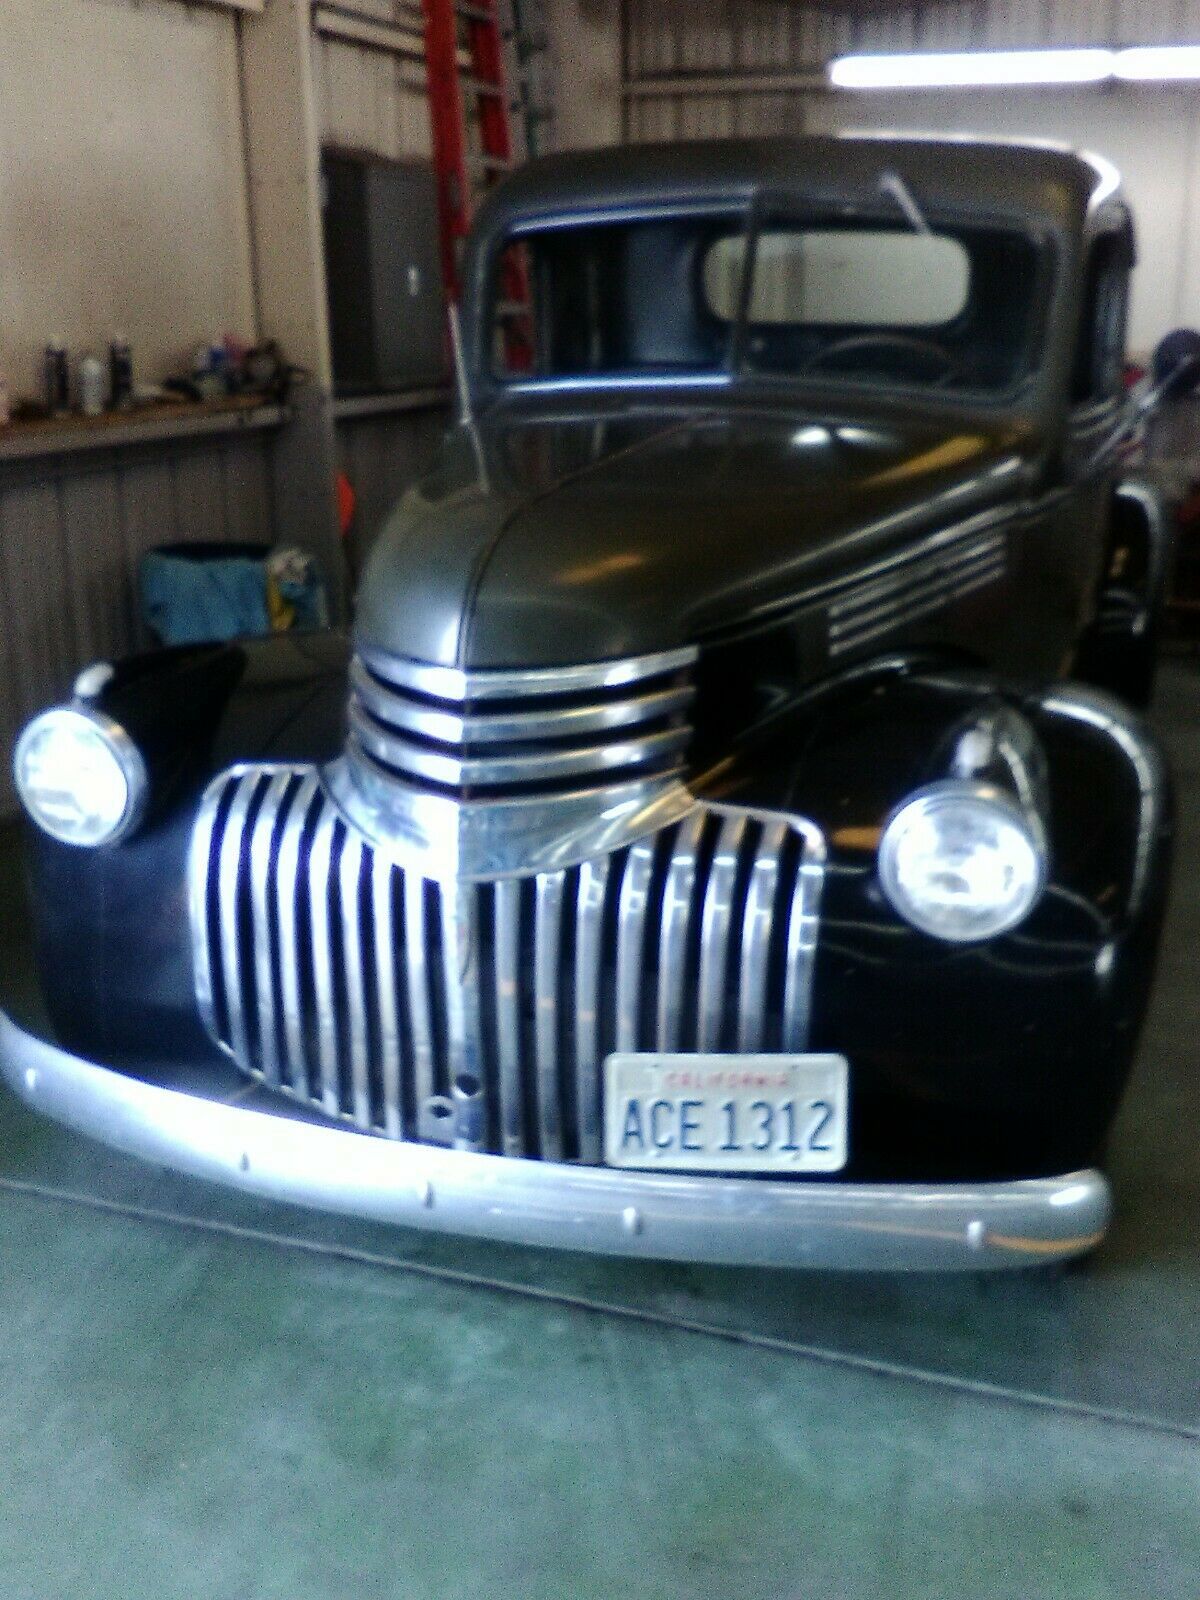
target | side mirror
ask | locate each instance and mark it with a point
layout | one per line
(1181, 380)
(1176, 384)
(1176, 370)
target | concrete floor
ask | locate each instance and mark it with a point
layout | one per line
(207, 1396)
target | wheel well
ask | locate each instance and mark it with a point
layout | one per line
(1139, 544)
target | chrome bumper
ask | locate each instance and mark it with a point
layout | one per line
(749, 1222)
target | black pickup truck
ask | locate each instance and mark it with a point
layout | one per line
(728, 832)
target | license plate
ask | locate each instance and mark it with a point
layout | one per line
(717, 1113)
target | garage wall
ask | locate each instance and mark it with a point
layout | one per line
(692, 69)
(124, 207)
(374, 99)
(122, 193)
(72, 528)
(371, 99)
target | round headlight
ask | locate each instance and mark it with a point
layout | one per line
(80, 776)
(962, 861)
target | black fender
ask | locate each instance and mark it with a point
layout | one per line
(1009, 1055)
(111, 925)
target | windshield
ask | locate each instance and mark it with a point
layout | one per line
(699, 297)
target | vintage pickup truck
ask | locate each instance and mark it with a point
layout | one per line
(727, 833)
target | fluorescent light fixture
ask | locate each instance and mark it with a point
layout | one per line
(1161, 63)
(985, 69)
(971, 69)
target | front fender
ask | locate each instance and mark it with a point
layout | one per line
(1016, 1048)
(111, 925)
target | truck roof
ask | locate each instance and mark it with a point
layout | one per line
(1035, 180)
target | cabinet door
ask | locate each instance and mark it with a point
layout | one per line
(406, 283)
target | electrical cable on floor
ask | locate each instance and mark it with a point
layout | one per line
(975, 1388)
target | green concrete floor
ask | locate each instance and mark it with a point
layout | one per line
(204, 1395)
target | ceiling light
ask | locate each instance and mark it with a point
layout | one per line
(984, 69)
(971, 69)
(1158, 62)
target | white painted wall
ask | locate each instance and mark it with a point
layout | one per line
(122, 196)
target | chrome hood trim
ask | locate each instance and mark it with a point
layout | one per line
(505, 772)
(470, 841)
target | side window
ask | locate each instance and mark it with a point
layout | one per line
(1100, 357)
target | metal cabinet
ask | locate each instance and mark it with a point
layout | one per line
(386, 305)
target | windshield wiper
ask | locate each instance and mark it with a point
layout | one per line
(891, 183)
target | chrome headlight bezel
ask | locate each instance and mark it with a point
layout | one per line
(927, 802)
(119, 746)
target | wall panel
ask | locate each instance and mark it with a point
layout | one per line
(371, 100)
(72, 529)
(382, 456)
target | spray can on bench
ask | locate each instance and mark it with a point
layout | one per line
(57, 379)
(120, 373)
(91, 386)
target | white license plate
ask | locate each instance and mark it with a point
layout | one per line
(717, 1113)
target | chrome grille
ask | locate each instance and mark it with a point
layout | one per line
(480, 1013)
(493, 734)
(916, 584)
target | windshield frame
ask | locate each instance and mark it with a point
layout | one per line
(760, 211)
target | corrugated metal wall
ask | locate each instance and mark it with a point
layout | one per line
(72, 528)
(372, 99)
(382, 456)
(672, 39)
(375, 99)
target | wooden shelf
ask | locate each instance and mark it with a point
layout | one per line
(116, 430)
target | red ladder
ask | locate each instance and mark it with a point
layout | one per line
(464, 62)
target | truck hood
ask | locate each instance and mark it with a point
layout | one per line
(545, 539)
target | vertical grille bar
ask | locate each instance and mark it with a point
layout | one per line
(508, 1015)
(350, 878)
(199, 869)
(386, 979)
(261, 844)
(547, 945)
(464, 1028)
(631, 944)
(756, 937)
(802, 942)
(417, 972)
(321, 875)
(589, 974)
(229, 889)
(714, 934)
(289, 952)
(678, 893)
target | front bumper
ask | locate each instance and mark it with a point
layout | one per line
(738, 1221)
